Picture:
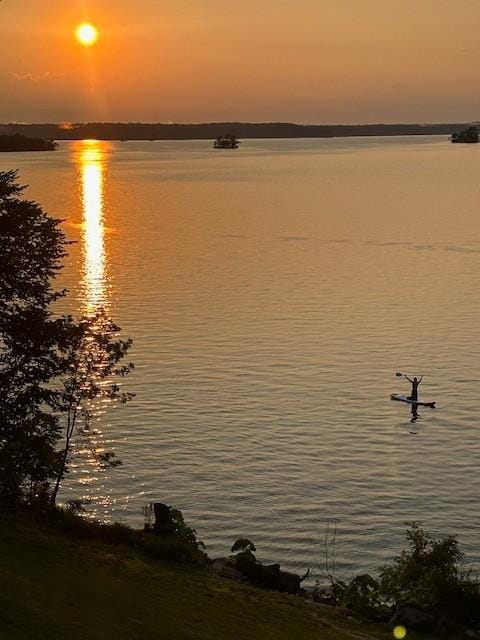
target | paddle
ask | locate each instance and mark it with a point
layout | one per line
(400, 375)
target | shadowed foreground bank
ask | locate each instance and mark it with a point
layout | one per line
(55, 587)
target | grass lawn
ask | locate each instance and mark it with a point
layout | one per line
(58, 587)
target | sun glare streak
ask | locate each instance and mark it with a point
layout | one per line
(90, 157)
(92, 183)
(92, 450)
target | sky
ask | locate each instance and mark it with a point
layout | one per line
(311, 61)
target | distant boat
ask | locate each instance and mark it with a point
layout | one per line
(467, 136)
(226, 142)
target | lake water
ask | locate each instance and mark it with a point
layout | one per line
(272, 293)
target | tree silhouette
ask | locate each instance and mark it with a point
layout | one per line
(39, 352)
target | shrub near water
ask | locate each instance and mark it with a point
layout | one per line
(430, 574)
(178, 546)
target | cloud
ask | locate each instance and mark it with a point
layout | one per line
(36, 77)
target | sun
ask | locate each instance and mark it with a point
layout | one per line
(86, 34)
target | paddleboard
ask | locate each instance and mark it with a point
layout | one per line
(402, 398)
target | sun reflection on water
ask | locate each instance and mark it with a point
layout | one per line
(92, 161)
(90, 157)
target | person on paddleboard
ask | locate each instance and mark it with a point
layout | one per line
(415, 382)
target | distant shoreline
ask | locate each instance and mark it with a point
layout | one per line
(209, 131)
(18, 142)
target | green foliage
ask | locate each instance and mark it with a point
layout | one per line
(147, 510)
(68, 521)
(430, 575)
(182, 531)
(75, 506)
(245, 552)
(169, 548)
(92, 360)
(362, 596)
(472, 135)
(242, 545)
(181, 546)
(244, 549)
(176, 534)
(33, 346)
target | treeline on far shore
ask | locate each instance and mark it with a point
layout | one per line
(19, 142)
(162, 131)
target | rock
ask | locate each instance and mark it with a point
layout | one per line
(162, 515)
(413, 618)
(163, 518)
(446, 626)
(226, 568)
(289, 582)
(269, 576)
(324, 597)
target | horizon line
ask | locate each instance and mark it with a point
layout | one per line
(236, 122)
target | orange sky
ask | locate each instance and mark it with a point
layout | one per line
(253, 60)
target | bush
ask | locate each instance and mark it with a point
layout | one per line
(430, 575)
(173, 547)
(69, 522)
(168, 548)
(182, 531)
(245, 549)
(362, 596)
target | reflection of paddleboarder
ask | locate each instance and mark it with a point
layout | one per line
(415, 415)
(415, 382)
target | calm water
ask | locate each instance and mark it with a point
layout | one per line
(272, 293)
